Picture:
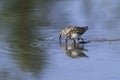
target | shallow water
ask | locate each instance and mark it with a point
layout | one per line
(30, 49)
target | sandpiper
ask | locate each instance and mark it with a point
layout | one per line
(73, 33)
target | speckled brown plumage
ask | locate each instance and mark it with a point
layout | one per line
(73, 32)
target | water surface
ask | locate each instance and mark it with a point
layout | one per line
(30, 49)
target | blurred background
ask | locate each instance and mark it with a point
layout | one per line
(29, 47)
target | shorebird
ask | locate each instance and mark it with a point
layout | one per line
(73, 33)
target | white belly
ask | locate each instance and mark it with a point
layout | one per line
(74, 36)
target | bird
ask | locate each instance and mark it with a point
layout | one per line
(73, 33)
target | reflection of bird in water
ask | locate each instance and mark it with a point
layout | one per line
(74, 51)
(73, 33)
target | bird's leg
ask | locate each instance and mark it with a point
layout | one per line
(66, 41)
(74, 42)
